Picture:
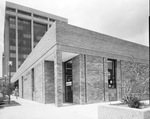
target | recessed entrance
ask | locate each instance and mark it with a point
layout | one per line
(68, 82)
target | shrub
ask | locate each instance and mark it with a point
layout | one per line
(7, 89)
(132, 101)
(134, 83)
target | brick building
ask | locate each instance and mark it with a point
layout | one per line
(78, 66)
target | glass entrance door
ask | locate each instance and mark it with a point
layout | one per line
(112, 80)
(68, 82)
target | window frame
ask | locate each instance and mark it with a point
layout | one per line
(112, 81)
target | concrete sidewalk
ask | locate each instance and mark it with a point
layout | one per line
(25, 109)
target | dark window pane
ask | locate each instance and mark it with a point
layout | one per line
(13, 67)
(24, 13)
(12, 42)
(52, 20)
(39, 31)
(40, 17)
(10, 9)
(24, 39)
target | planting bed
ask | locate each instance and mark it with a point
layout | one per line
(120, 111)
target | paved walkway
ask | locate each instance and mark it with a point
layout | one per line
(24, 109)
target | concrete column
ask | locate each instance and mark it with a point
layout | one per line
(6, 46)
(48, 26)
(105, 69)
(49, 93)
(32, 34)
(17, 59)
(20, 88)
(79, 90)
(43, 83)
(58, 78)
(83, 91)
(76, 79)
(122, 78)
(22, 84)
(118, 80)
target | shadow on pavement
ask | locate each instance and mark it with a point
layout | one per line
(6, 104)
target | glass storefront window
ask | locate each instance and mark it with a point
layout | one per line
(111, 73)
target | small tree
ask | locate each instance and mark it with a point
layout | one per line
(135, 82)
(7, 89)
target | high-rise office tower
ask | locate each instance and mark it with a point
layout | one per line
(24, 27)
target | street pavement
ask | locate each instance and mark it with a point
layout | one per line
(25, 109)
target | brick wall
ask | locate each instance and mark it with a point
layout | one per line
(49, 82)
(94, 86)
(108, 46)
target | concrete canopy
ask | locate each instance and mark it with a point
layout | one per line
(65, 56)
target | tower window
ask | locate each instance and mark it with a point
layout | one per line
(10, 9)
(40, 17)
(24, 13)
(52, 20)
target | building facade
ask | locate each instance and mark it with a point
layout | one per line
(78, 66)
(24, 27)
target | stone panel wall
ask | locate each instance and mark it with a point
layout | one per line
(58, 78)
(20, 87)
(79, 88)
(94, 79)
(49, 82)
(105, 75)
(23, 89)
(83, 91)
(76, 79)
(135, 76)
(27, 86)
(63, 78)
(38, 92)
(119, 80)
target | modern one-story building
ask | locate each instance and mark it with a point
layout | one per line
(79, 66)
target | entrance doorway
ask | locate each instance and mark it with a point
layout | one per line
(68, 82)
(112, 80)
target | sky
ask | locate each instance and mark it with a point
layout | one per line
(125, 19)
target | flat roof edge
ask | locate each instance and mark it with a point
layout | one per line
(35, 11)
